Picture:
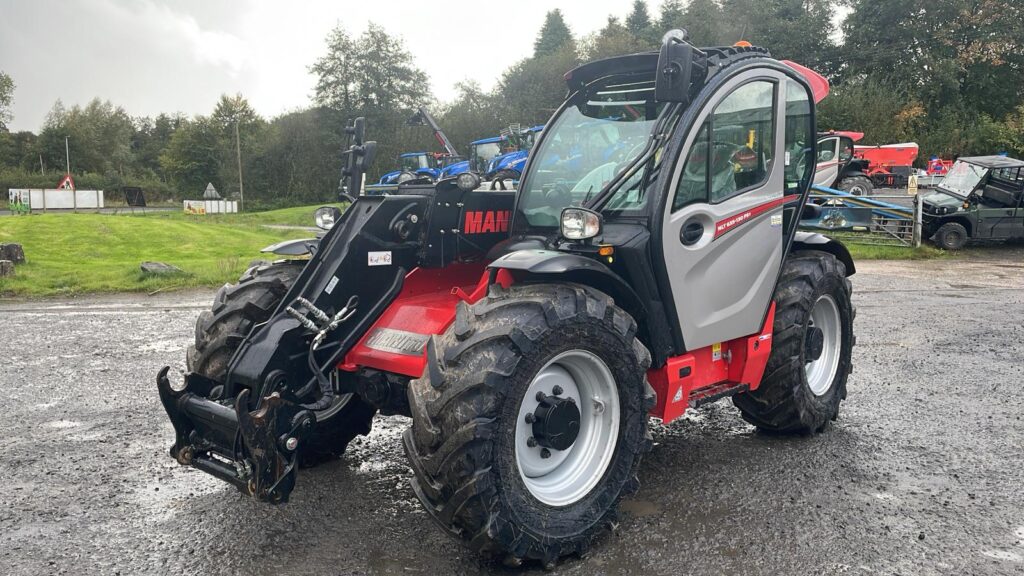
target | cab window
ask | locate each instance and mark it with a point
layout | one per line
(827, 150)
(734, 148)
(799, 138)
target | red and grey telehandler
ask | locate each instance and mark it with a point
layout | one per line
(648, 263)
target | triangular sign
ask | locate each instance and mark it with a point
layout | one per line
(67, 183)
(211, 192)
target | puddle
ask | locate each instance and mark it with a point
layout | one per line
(163, 346)
(62, 424)
(1003, 555)
(639, 508)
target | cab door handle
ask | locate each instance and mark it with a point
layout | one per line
(692, 232)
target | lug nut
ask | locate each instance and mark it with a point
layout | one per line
(531, 442)
(545, 453)
(541, 396)
(530, 418)
(557, 390)
(291, 444)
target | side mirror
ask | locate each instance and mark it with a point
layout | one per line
(677, 62)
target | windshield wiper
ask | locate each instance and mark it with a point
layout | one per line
(657, 137)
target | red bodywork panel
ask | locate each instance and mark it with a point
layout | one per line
(819, 84)
(424, 307)
(712, 370)
(882, 159)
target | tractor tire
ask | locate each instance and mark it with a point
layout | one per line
(857, 185)
(480, 471)
(805, 379)
(239, 307)
(951, 236)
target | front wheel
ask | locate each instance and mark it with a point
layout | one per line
(530, 421)
(951, 236)
(857, 185)
(812, 344)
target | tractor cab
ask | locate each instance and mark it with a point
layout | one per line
(837, 166)
(979, 197)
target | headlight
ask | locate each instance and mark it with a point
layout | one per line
(467, 181)
(326, 216)
(405, 177)
(580, 223)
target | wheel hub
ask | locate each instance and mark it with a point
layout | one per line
(814, 344)
(556, 422)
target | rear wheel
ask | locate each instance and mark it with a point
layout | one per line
(530, 421)
(951, 236)
(857, 185)
(219, 332)
(805, 379)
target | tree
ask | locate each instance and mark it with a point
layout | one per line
(639, 20)
(703, 20)
(372, 74)
(6, 97)
(615, 40)
(194, 156)
(533, 88)
(553, 36)
(670, 16)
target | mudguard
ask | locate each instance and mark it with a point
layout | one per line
(299, 247)
(813, 241)
(551, 265)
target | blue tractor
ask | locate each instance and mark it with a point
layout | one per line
(498, 157)
(423, 165)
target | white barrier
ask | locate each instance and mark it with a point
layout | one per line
(203, 207)
(59, 199)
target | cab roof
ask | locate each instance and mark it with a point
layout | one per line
(993, 161)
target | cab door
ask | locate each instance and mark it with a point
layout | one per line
(748, 157)
(828, 164)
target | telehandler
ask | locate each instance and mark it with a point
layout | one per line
(530, 335)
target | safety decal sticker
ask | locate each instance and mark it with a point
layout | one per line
(716, 351)
(679, 395)
(379, 258)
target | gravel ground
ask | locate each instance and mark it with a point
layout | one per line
(923, 473)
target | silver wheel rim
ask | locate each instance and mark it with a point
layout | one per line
(569, 475)
(821, 372)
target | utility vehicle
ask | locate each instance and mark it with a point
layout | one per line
(979, 197)
(530, 335)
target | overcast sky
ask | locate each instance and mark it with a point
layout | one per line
(153, 56)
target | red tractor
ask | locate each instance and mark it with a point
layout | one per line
(530, 335)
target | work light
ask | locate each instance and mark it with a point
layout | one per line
(326, 216)
(580, 224)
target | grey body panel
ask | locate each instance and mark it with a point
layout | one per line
(721, 287)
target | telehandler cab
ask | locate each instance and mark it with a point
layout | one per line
(531, 334)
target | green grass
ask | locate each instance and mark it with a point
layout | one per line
(82, 253)
(297, 216)
(869, 252)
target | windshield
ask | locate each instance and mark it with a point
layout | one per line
(962, 178)
(482, 154)
(413, 163)
(588, 145)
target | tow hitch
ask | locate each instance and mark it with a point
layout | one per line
(254, 450)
